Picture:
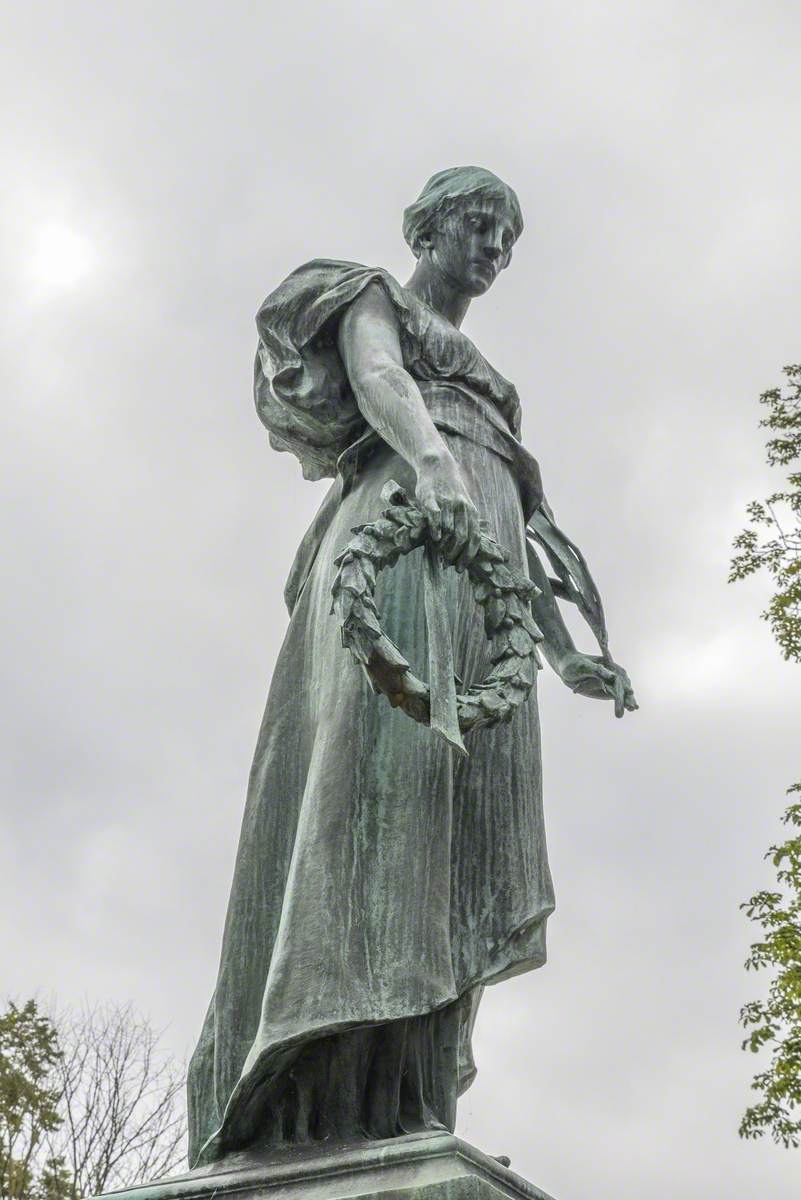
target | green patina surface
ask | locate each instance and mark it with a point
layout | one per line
(429, 1166)
(383, 878)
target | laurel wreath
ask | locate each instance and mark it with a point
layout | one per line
(503, 593)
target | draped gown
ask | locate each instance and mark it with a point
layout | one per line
(380, 883)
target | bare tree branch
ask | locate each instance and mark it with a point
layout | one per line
(121, 1098)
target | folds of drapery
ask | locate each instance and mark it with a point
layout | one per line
(300, 387)
(573, 582)
(303, 398)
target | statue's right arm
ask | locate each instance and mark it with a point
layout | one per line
(390, 401)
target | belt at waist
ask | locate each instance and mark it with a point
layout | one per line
(459, 410)
(462, 411)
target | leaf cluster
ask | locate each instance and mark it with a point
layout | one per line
(774, 1024)
(771, 541)
(29, 1096)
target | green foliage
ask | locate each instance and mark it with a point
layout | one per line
(773, 544)
(55, 1181)
(88, 1102)
(775, 1023)
(28, 1098)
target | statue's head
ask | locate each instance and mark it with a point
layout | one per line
(466, 221)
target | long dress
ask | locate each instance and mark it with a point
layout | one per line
(380, 884)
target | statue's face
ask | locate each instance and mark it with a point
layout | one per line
(473, 243)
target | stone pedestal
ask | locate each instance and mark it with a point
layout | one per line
(425, 1166)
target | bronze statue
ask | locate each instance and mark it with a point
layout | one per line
(387, 871)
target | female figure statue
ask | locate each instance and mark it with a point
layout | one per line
(381, 880)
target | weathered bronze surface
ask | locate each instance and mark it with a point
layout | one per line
(383, 878)
(423, 1166)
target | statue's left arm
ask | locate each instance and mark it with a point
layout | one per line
(591, 675)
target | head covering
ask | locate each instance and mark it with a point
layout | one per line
(447, 191)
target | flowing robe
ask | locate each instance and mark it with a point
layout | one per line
(380, 884)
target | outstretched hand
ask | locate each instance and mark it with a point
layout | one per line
(599, 678)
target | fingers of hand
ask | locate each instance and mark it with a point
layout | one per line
(623, 695)
(624, 688)
(470, 547)
(459, 537)
(454, 524)
(446, 524)
(459, 530)
(474, 535)
(434, 516)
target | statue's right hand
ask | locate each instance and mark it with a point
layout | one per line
(445, 501)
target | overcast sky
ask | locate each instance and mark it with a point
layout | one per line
(164, 166)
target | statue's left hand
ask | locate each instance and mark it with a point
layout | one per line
(591, 675)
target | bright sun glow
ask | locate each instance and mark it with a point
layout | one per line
(62, 258)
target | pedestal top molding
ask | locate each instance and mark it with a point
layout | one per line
(425, 1166)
